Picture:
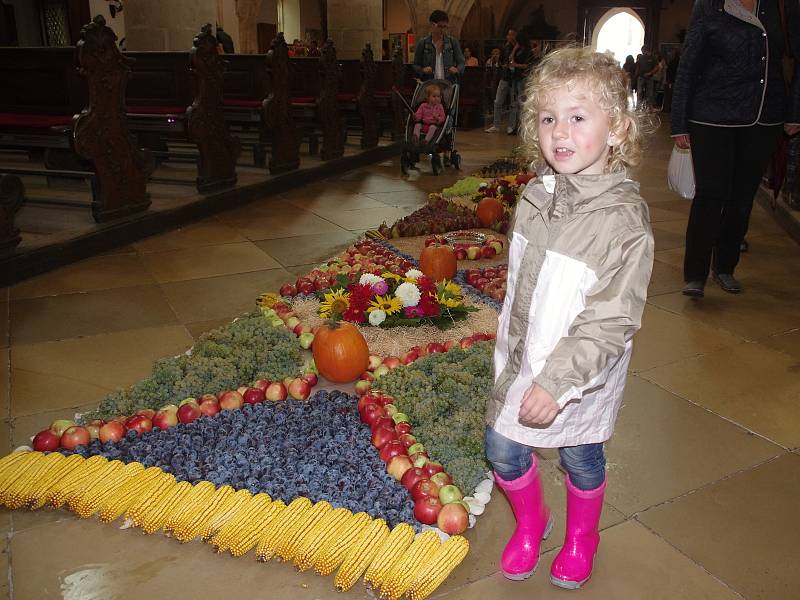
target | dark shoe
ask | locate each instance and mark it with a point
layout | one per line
(744, 246)
(694, 289)
(728, 283)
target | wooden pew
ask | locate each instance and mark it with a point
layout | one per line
(12, 194)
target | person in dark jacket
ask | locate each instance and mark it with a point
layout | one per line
(438, 55)
(225, 40)
(729, 103)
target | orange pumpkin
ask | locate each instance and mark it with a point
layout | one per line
(489, 211)
(340, 352)
(438, 262)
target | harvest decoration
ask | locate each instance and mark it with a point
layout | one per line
(469, 245)
(340, 352)
(437, 216)
(392, 300)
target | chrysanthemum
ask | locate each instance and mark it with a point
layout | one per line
(380, 287)
(369, 279)
(387, 304)
(376, 317)
(414, 274)
(408, 293)
(335, 303)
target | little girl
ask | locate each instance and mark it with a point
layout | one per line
(580, 259)
(429, 115)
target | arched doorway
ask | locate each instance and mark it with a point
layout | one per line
(620, 31)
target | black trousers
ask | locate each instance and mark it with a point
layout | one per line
(728, 165)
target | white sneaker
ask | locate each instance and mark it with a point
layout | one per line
(510, 130)
(492, 129)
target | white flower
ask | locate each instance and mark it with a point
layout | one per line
(376, 317)
(369, 279)
(414, 274)
(408, 293)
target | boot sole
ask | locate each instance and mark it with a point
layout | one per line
(726, 288)
(524, 576)
(568, 585)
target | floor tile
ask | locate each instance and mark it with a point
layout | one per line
(299, 270)
(742, 530)
(666, 337)
(664, 279)
(785, 342)
(97, 273)
(207, 261)
(666, 240)
(401, 199)
(631, 564)
(306, 249)
(222, 297)
(89, 313)
(34, 392)
(369, 218)
(322, 199)
(660, 214)
(747, 383)
(664, 446)
(5, 381)
(198, 328)
(205, 233)
(281, 225)
(108, 360)
(24, 427)
(5, 567)
(5, 324)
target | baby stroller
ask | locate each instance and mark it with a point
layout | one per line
(444, 139)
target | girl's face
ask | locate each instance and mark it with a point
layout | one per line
(574, 131)
(434, 96)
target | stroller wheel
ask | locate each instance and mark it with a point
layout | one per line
(455, 160)
(404, 164)
(436, 164)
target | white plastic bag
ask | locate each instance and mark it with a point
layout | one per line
(680, 173)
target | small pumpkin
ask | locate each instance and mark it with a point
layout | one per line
(340, 352)
(438, 262)
(489, 211)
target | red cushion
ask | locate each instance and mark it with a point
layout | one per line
(157, 110)
(42, 121)
(244, 103)
(304, 100)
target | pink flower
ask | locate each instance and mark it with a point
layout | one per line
(412, 312)
(380, 288)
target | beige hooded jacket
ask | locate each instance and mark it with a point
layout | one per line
(580, 259)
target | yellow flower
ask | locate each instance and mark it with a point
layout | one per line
(268, 300)
(448, 302)
(452, 287)
(335, 303)
(388, 304)
(388, 275)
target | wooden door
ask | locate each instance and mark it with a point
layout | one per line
(266, 33)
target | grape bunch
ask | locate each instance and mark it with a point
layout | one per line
(437, 216)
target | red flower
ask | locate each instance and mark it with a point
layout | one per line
(360, 296)
(354, 315)
(426, 284)
(429, 305)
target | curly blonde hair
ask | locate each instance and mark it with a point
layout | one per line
(609, 85)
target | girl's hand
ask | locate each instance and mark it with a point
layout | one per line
(453, 69)
(682, 142)
(427, 70)
(538, 407)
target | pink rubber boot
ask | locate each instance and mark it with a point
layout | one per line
(573, 565)
(521, 554)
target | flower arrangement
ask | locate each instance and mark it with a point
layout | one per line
(391, 300)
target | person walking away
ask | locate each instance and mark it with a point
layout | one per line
(503, 93)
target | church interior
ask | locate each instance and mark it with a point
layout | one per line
(189, 188)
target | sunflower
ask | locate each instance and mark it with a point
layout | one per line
(388, 304)
(396, 277)
(335, 303)
(267, 300)
(448, 302)
(453, 288)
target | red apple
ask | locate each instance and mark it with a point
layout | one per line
(435, 347)
(432, 467)
(371, 413)
(311, 379)
(261, 384)
(299, 389)
(112, 432)
(391, 449)
(441, 479)
(385, 400)
(287, 290)
(398, 466)
(97, 422)
(139, 423)
(75, 436)
(231, 400)
(453, 519)
(254, 396)
(383, 436)
(210, 407)
(488, 252)
(402, 428)
(449, 493)
(411, 477)
(466, 342)
(362, 387)
(416, 447)
(382, 422)
(419, 459)
(449, 344)
(407, 440)
(60, 426)
(410, 357)
(364, 400)
(164, 419)
(276, 391)
(426, 510)
(392, 362)
(367, 376)
(147, 412)
(374, 362)
(46, 441)
(94, 431)
(424, 488)
(188, 412)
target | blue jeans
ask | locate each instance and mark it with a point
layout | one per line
(586, 464)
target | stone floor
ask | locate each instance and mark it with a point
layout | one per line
(704, 471)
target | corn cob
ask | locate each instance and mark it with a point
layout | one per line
(31, 480)
(311, 547)
(337, 547)
(406, 570)
(197, 497)
(361, 554)
(291, 520)
(56, 481)
(28, 462)
(104, 481)
(225, 512)
(156, 515)
(162, 488)
(11, 462)
(446, 558)
(248, 510)
(128, 494)
(252, 532)
(90, 502)
(199, 522)
(311, 517)
(78, 479)
(389, 553)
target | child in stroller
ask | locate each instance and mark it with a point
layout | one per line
(429, 115)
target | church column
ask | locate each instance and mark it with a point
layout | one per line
(160, 25)
(247, 12)
(353, 23)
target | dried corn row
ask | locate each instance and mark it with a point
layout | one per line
(106, 480)
(17, 472)
(291, 520)
(81, 477)
(406, 570)
(92, 499)
(309, 550)
(11, 462)
(157, 514)
(252, 532)
(337, 547)
(313, 516)
(137, 487)
(446, 558)
(197, 499)
(247, 510)
(225, 512)
(388, 554)
(56, 481)
(31, 480)
(201, 521)
(166, 481)
(361, 554)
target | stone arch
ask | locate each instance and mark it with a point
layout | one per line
(613, 13)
